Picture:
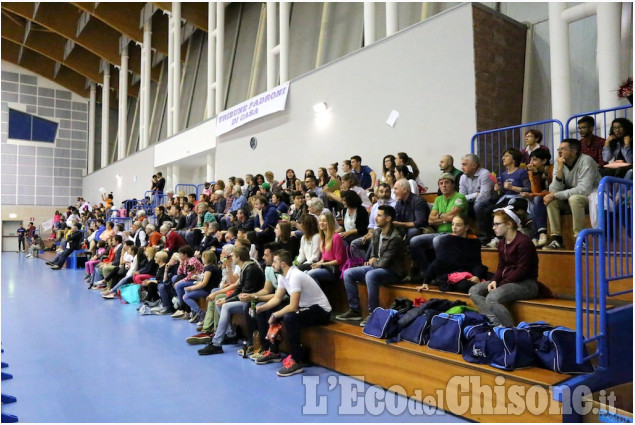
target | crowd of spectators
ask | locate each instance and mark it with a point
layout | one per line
(269, 248)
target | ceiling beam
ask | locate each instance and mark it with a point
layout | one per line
(194, 13)
(97, 37)
(51, 45)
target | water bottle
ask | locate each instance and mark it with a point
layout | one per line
(244, 349)
(252, 309)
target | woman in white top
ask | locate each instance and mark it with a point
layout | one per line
(310, 243)
(402, 158)
(402, 172)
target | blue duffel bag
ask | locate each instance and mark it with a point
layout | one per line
(556, 351)
(518, 349)
(382, 323)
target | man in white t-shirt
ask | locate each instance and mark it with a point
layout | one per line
(308, 306)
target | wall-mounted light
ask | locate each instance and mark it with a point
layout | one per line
(118, 176)
(319, 107)
(13, 215)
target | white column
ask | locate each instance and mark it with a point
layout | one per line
(608, 56)
(211, 167)
(176, 98)
(560, 68)
(370, 33)
(285, 11)
(220, 58)
(211, 59)
(627, 34)
(91, 127)
(122, 122)
(146, 53)
(169, 183)
(105, 116)
(176, 176)
(170, 75)
(271, 44)
(391, 18)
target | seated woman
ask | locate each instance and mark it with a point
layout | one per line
(402, 158)
(618, 149)
(148, 269)
(355, 217)
(123, 274)
(206, 283)
(284, 239)
(517, 272)
(95, 259)
(532, 143)
(186, 277)
(402, 172)
(540, 175)
(204, 214)
(459, 251)
(333, 250)
(309, 243)
(162, 274)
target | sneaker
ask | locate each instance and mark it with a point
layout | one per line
(55, 267)
(29, 256)
(350, 315)
(290, 367)
(194, 318)
(250, 351)
(230, 340)
(164, 311)
(543, 240)
(48, 263)
(108, 296)
(257, 356)
(210, 349)
(177, 314)
(493, 243)
(199, 327)
(202, 338)
(269, 357)
(363, 322)
(555, 244)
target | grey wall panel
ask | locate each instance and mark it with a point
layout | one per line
(304, 32)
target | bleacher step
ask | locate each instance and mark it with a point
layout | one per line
(423, 372)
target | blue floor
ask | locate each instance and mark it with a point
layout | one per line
(78, 358)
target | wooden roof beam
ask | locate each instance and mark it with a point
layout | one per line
(194, 13)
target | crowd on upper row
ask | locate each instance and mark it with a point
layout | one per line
(281, 243)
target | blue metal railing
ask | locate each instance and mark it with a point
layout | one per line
(603, 119)
(603, 256)
(156, 199)
(187, 189)
(489, 145)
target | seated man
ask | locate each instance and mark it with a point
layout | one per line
(71, 243)
(411, 211)
(359, 245)
(447, 206)
(264, 222)
(173, 241)
(446, 165)
(478, 188)
(385, 265)
(365, 176)
(590, 144)
(575, 177)
(239, 201)
(308, 306)
(252, 280)
(243, 221)
(138, 234)
(191, 219)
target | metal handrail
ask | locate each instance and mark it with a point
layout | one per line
(603, 128)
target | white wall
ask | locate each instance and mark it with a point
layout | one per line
(136, 177)
(430, 83)
(193, 141)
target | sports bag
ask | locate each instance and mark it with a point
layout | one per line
(382, 323)
(518, 350)
(556, 351)
(445, 332)
(480, 344)
(418, 331)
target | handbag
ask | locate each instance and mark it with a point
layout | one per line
(382, 323)
(130, 293)
(556, 351)
(351, 261)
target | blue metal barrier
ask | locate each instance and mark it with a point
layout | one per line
(199, 189)
(603, 256)
(156, 199)
(489, 145)
(125, 220)
(187, 189)
(603, 119)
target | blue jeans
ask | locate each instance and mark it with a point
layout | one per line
(539, 214)
(191, 297)
(180, 289)
(419, 245)
(322, 276)
(373, 278)
(224, 323)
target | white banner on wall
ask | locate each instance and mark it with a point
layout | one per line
(271, 101)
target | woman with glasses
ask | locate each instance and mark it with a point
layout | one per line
(517, 272)
(618, 149)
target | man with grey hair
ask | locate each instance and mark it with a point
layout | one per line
(155, 238)
(411, 211)
(173, 241)
(139, 236)
(478, 188)
(240, 201)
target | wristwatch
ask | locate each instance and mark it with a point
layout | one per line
(256, 298)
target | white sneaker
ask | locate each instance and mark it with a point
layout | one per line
(177, 313)
(493, 243)
(543, 240)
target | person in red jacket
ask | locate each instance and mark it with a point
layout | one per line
(517, 272)
(173, 241)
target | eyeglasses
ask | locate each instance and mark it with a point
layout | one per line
(495, 224)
